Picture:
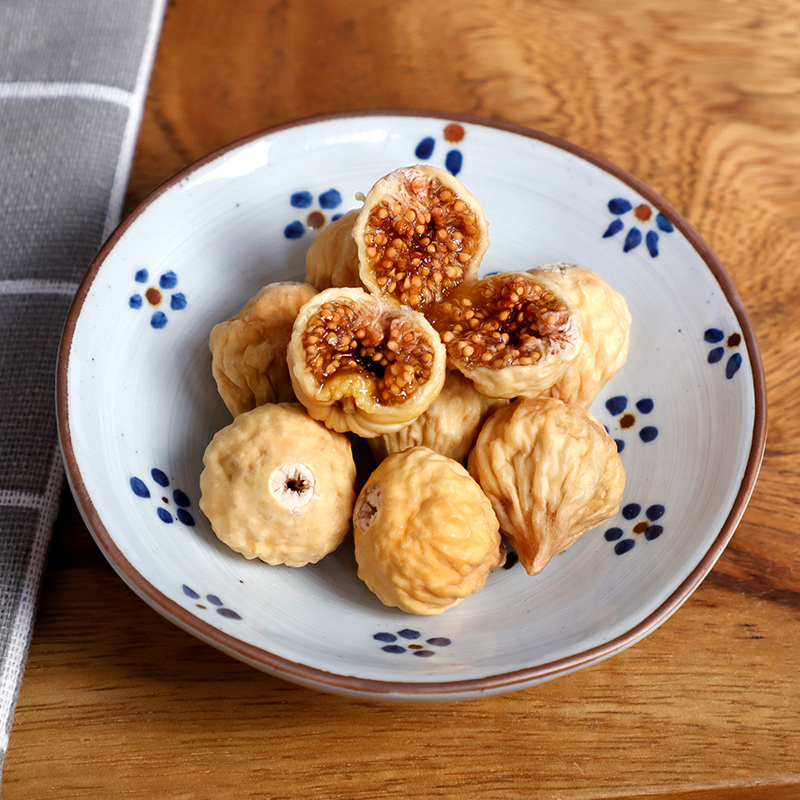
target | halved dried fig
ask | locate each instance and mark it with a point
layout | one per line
(420, 234)
(279, 486)
(249, 350)
(449, 426)
(552, 474)
(606, 328)
(425, 534)
(332, 259)
(513, 334)
(360, 365)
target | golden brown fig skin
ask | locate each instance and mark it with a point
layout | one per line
(279, 486)
(420, 234)
(551, 472)
(249, 350)
(449, 426)
(606, 328)
(332, 259)
(425, 534)
(342, 340)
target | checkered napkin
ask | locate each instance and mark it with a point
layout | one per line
(73, 76)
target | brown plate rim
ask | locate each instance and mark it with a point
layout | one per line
(367, 686)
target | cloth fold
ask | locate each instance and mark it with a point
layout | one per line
(73, 78)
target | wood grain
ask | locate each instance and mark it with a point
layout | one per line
(700, 99)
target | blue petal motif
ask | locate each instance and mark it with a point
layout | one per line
(454, 161)
(141, 276)
(615, 227)
(624, 546)
(164, 515)
(716, 355)
(425, 148)
(616, 405)
(168, 280)
(189, 592)
(160, 477)
(294, 230)
(713, 335)
(612, 534)
(393, 648)
(301, 200)
(178, 301)
(651, 240)
(631, 510)
(645, 405)
(135, 301)
(139, 487)
(664, 224)
(185, 517)
(632, 240)
(648, 433)
(619, 205)
(330, 199)
(384, 636)
(158, 320)
(732, 367)
(655, 512)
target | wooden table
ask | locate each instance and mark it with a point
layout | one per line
(699, 98)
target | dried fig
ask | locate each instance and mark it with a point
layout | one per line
(360, 365)
(449, 426)
(512, 334)
(249, 350)
(552, 474)
(420, 234)
(278, 486)
(425, 534)
(332, 259)
(606, 327)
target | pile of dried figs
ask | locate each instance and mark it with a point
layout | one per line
(472, 394)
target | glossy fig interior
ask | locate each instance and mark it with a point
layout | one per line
(420, 236)
(501, 320)
(388, 349)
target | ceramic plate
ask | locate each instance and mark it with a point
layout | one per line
(138, 405)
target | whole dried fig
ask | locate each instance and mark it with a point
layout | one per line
(419, 234)
(249, 350)
(449, 426)
(278, 486)
(512, 334)
(425, 534)
(552, 474)
(606, 327)
(332, 259)
(360, 365)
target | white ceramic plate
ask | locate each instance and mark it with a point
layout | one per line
(138, 405)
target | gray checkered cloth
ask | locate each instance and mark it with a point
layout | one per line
(73, 76)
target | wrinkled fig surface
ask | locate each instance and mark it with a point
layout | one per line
(249, 350)
(606, 328)
(513, 334)
(551, 472)
(449, 426)
(425, 534)
(332, 259)
(420, 234)
(360, 365)
(278, 486)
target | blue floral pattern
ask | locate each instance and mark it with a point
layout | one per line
(715, 336)
(168, 510)
(626, 418)
(155, 296)
(644, 524)
(643, 219)
(213, 601)
(303, 200)
(405, 641)
(454, 157)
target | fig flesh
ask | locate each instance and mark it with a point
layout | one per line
(420, 234)
(513, 334)
(360, 365)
